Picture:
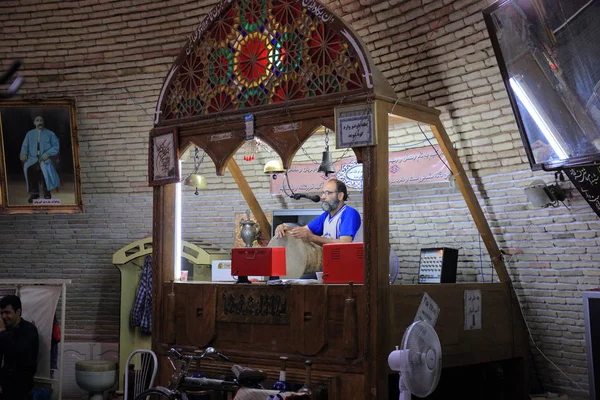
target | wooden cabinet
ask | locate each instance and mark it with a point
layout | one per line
(256, 324)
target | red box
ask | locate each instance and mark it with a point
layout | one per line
(261, 261)
(343, 263)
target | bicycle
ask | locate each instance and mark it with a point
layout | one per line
(180, 384)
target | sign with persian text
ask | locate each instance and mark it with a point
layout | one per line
(587, 181)
(428, 310)
(258, 305)
(473, 309)
(355, 126)
(406, 167)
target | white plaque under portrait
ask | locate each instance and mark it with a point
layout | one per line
(355, 126)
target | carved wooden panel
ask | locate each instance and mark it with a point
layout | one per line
(309, 326)
(195, 311)
(254, 304)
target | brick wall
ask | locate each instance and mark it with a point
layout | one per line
(112, 56)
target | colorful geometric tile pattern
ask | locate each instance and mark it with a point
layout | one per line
(259, 52)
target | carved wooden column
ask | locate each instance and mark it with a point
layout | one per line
(163, 255)
(376, 239)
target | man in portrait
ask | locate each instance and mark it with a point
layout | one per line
(37, 152)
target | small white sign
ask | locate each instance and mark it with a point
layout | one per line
(249, 126)
(221, 271)
(472, 309)
(355, 126)
(220, 136)
(46, 201)
(428, 310)
(287, 127)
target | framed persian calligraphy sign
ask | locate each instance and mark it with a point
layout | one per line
(254, 305)
(587, 180)
(39, 157)
(355, 126)
(163, 158)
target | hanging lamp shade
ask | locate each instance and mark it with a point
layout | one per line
(273, 167)
(326, 165)
(195, 180)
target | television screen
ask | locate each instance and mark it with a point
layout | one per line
(294, 217)
(548, 52)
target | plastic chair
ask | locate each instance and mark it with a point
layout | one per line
(141, 368)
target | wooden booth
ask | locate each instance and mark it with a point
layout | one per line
(293, 65)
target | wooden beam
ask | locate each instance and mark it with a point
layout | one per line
(376, 239)
(240, 179)
(163, 257)
(467, 191)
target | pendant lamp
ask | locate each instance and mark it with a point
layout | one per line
(195, 179)
(273, 167)
(326, 165)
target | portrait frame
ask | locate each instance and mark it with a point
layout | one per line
(50, 183)
(163, 158)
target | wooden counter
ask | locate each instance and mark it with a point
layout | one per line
(257, 323)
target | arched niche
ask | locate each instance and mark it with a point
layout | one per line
(288, 63)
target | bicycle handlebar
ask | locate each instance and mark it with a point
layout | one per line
(206, 353)
(211, 384)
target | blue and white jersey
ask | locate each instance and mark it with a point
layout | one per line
(345, 222)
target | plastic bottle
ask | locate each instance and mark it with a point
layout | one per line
(281, 384)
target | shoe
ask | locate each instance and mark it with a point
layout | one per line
(47, 195)
(33, 197)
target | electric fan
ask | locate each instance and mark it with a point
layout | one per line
(418, 362)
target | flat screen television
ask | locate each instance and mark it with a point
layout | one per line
(299, 217)
(548, 52)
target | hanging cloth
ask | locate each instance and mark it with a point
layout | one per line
(141, 313)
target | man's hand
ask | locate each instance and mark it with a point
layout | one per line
(44, 157)
(23, 157)
(280, 231)
(301, 233)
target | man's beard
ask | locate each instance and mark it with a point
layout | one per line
(329, 206)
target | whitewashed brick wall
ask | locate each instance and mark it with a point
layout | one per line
(112, 56)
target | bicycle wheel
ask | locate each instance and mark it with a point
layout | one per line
(159, 393)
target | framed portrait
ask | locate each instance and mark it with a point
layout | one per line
(39, 157)
(163, 158)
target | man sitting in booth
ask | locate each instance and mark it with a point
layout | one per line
(338, 224)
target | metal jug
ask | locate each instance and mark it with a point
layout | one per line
(249, 231)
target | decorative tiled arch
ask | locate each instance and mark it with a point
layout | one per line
(249, 53)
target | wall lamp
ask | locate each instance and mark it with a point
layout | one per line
(541, 195)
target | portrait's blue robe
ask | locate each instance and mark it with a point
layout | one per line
(48, 145)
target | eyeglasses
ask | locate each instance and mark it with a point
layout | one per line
(328, 192)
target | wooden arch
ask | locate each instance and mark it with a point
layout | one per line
(279, 60)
